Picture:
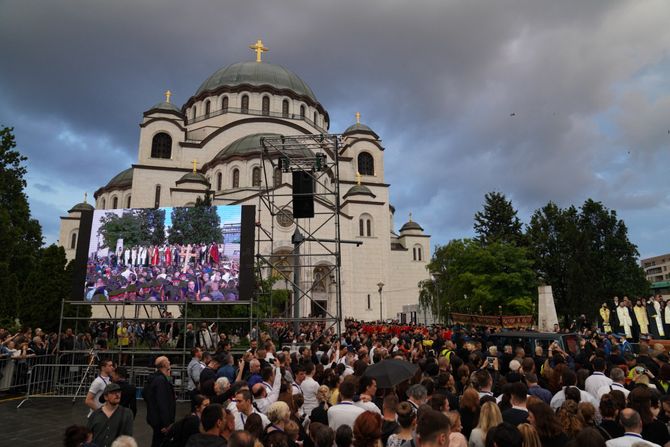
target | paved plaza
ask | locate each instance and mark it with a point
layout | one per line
(42, 421)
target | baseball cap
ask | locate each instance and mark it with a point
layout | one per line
(112, 387)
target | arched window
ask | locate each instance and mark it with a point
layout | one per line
(161, 146)
(236, 178)
(284, 108)
(115, 202)
(224, 104)
(207, 108)
(128, 202)
(314, 120)
(73, 241)
(102, 204)
(417, 253)
(266, 105)
(302, 112)
(157, 197)
(219, 181)
(256, 176)
(194, 112)
(245, 104)
(365, 225)
(276, 178)
(366, 164)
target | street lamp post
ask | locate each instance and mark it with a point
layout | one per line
(380, 286)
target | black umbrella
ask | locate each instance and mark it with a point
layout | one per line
(389, 373)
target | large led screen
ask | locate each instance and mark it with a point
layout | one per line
(165, 255)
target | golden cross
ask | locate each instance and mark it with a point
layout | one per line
(410, 217)
(259, 49)
(168, 93)
(358, 117)
(358, 177)
(195, 165)
(85, 196)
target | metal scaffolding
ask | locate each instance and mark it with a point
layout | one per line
(316, 242)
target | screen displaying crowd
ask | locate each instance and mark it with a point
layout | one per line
(164, 255)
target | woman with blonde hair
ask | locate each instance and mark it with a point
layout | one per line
(529, 435)
(320, 413)
(489, 417)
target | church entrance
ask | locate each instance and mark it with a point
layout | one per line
(319, 308)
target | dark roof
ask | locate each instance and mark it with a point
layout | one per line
(359, 190)
(256, 73)
(250, 145)
(168, 106)
(121, 180)
(83, 206)
(193, 177)
(362, 128)
(411, 225)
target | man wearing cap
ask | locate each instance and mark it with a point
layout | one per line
(111, 420)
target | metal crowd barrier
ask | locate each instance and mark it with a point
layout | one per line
(15, 372)
(73, 380)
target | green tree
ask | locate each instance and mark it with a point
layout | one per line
(194, 225)
(20, 234)
(126, 227)
(152, 225)
(585, 255)
(468, 275)
(498, 221)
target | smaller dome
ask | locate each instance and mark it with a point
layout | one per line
(82, 206)
(122, 179)
(359, 190)
(411, 225)
(164, 106)
(358, 127)
(251, 145)
(193, 177)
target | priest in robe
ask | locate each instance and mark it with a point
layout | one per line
(641, 316)
(625, 320)
(605, 317)
(658, 318)
(214, 254)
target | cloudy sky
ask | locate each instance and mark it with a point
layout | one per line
(541, 100)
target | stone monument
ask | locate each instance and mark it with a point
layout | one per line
(546, 309)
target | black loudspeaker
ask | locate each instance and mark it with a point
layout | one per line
(303, 195)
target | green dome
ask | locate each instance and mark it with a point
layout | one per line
(358, 127)
(83, 206)
(123, 179)
(257, 74)
(359, 190)
(251, 145)
(165, 106)
(193, 177)
(411, 225)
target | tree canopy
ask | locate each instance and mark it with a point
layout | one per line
(195, 225)
(498, 221)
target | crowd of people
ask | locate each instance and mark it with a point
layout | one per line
(315, 389)
(163, 274)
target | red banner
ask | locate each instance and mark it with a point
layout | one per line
(508, 321)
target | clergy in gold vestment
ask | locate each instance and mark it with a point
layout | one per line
(641, 315)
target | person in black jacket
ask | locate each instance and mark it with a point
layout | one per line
(128, 390)
(517, 414)
(161, 401)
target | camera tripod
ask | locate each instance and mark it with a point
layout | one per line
(92, 357)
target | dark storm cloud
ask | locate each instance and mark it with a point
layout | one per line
(540, 100)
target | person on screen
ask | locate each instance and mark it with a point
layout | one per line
(214, 254)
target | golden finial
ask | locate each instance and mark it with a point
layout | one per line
(358, 177)
(358, 117)
(168, 93)
(410, 216)
(195, 166)
(259, 49)
(85, 197)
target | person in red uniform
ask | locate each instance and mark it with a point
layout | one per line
(214, 253)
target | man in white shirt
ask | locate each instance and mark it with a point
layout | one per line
(98, 386)
(194, 369)
(618, 380)
(367, 389)
(265, 394)
(245, 409)
(309, 387)
(598, 379)
(346, 412)
(569, 378)
(632, 425)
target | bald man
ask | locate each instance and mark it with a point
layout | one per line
(161, 400)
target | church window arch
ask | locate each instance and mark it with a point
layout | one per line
(245, 104)
(207, 107)
(161, 146)
(302, 111)
(102, 203)
(365, 225)
(195, 112)
(315, 116)
(115, 202)
(219, 181)
(417, 252)
(284, 108)
(236, 178)
(157, 197)
(224, 104)
(73, 240)
(277, 177)
(266, 106)
(366, 164)
(128, 201)
(256, 176)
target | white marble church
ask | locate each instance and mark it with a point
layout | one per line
(218, 130)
